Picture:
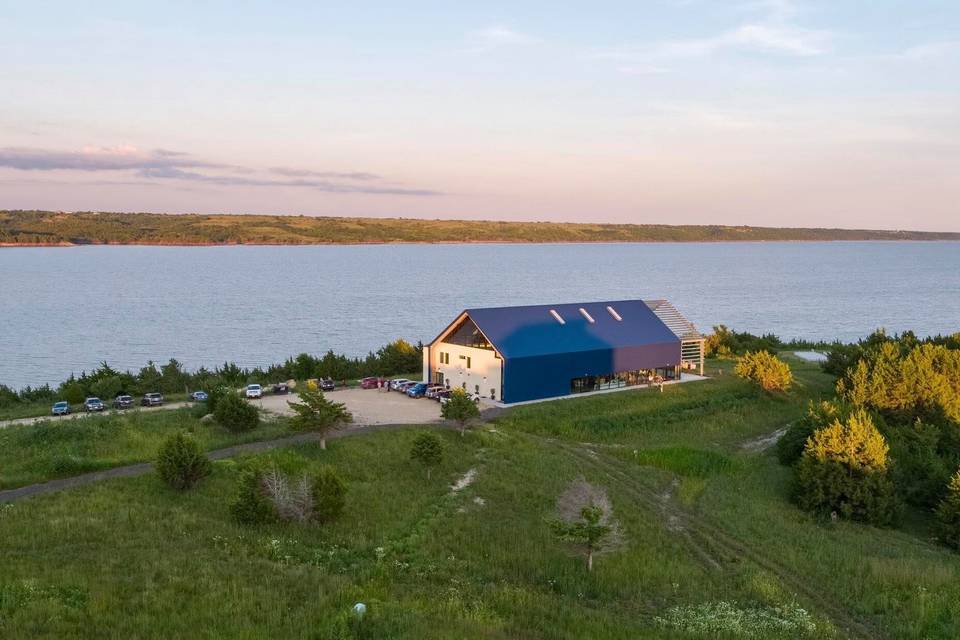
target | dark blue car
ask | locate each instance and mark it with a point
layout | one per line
(418, 390)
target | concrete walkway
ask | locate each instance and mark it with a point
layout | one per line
(133, 470)
(684, 378)
(811, 356)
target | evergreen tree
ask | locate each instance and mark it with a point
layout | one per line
(181, 463)
(766, 369)
(315, 413)
(329, 495)
(427, 450)
(460, 408)
(235, 413)
(844, 469)
(589, 532)
(948, 514)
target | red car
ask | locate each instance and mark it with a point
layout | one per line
(372, 383)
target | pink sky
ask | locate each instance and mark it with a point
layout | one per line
(772, 113)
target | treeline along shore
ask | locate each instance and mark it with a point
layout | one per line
(51, 228)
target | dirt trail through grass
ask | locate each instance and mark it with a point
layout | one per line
(133, 470)
(711, 544)
(761, 444)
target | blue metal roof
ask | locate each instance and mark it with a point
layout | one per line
(520, 332)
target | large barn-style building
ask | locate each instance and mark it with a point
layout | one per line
(517, 354)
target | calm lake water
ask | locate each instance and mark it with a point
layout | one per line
(64, 310)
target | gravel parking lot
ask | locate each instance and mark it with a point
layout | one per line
(368, 406)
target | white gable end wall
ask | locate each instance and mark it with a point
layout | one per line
(484, 372)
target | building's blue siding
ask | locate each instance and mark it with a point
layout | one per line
(549, 376)
(521, 332)
(542, 354)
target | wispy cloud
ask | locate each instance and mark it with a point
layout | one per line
(773, 32)
(930, 50)
(96, 159)
(642, 70)
(241, 181)
(307, 173)
(497, 36)
(167, 165)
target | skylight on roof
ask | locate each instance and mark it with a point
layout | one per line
(613, 312)
(557, 316)
(586, 315)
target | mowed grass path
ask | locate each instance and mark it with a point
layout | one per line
(61, 448)
(130, 558)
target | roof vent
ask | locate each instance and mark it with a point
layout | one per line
(557, 316)
(613, 312)
(586, 315)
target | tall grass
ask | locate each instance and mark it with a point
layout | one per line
(59, 448)
(131, 558)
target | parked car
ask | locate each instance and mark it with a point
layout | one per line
(123, 401)
(403, 388)
(60, 408)
(327, 385)
(253, 391)
(151, 400)
(93, 404)
(199, 396)
(396, 382)
(433, 390)
(373, 382)
(281, 389)
(418, 390)
(445, 397)
(440, 395)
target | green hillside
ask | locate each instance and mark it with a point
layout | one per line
(708, 545)
(45, 227)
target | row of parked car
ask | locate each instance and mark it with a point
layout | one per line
(412, 388)
(255, 391)
(123, 401)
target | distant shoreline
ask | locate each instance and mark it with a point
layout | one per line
(60, 229)
(69, 245)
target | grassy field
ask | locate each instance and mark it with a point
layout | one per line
(49, 227)
(59, 448)
(711, 547)
(42, 408)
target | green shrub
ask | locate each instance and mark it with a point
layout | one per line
(727, 343)
(181, 463)
(791, 444)
(948, 514)
(844, 470)
(235, 413)
(251, 505)
(460, 407)
(427, 450)
(766, 369)
(73, 392)
(215, 393)
(329, 495)
(906, 381)
(107, 388)
(921, 473)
